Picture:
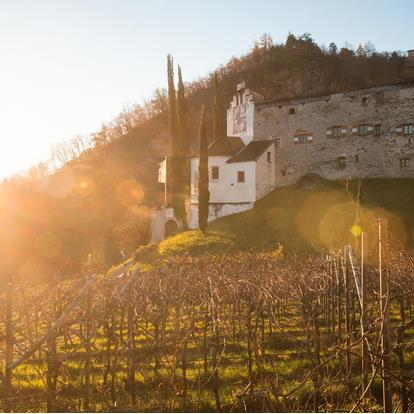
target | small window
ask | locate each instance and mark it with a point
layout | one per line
(269, 157)
(363, 129)
(215, 173)
(240, 176)
(336, 131)
(408, 129)
(377, 129)
(409, 141)
(291, 111)
(303, 139)
(364, 100)
(341, 163)
(404, 162)
(283, 172)
(356, 158)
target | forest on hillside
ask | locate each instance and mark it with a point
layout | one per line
(93, 197)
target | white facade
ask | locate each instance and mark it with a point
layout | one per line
(240, 115)
(226, 189)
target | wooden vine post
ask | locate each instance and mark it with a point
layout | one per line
(88, 349)
(364, 316)
(9, 341)
(347, 313)
(384, 303)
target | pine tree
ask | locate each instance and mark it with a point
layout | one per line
(203, 192)
(219, 121)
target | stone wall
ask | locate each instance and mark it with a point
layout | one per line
(306, 141)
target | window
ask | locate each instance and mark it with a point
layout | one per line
(303, 139)
(283, 172)
(364, 100)
(336, 131)
(356, 158)
(341, 163)
(215, 173)
(363, 129)
(240, 176)
(408, 129)
(269, 157)
(404, 162)
(291, 111)
(377, 129)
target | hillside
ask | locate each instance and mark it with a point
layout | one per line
(84, 208)
(309, 217)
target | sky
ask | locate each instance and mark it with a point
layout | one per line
(67, 66)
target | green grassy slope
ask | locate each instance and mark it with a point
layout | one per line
(307, 217)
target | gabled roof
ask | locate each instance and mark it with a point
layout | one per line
(252, 151)
(226, 146)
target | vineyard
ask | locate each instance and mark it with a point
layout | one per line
(235, 332)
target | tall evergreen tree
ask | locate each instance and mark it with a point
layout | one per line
(219, 120)
(172, 176)
(183, 150)
(203, 192)
(172, 104)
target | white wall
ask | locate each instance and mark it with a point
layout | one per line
(265, 173)
(247, 134)
(226, 189)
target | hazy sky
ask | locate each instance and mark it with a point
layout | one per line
(67, 66)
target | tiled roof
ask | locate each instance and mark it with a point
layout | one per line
(224, 146)
(251, 152)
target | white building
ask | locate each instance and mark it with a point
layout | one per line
(272, 143)
(241, 170)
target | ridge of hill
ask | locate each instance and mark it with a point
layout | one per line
(84, 208)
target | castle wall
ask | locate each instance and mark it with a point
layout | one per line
(303, 129)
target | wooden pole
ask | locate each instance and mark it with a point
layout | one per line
(131, 352)
(9, 340)
(364, 316)
(347, 313)
(339, 297)
(384, 301)
(51, 374)
(87, 350)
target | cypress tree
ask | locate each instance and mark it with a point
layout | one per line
(181, 165)
(173, 164)
(203, 192)
(172, 104)
(219, 120)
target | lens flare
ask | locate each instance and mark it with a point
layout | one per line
(129, 193)
(85, 186)
(356, 230)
